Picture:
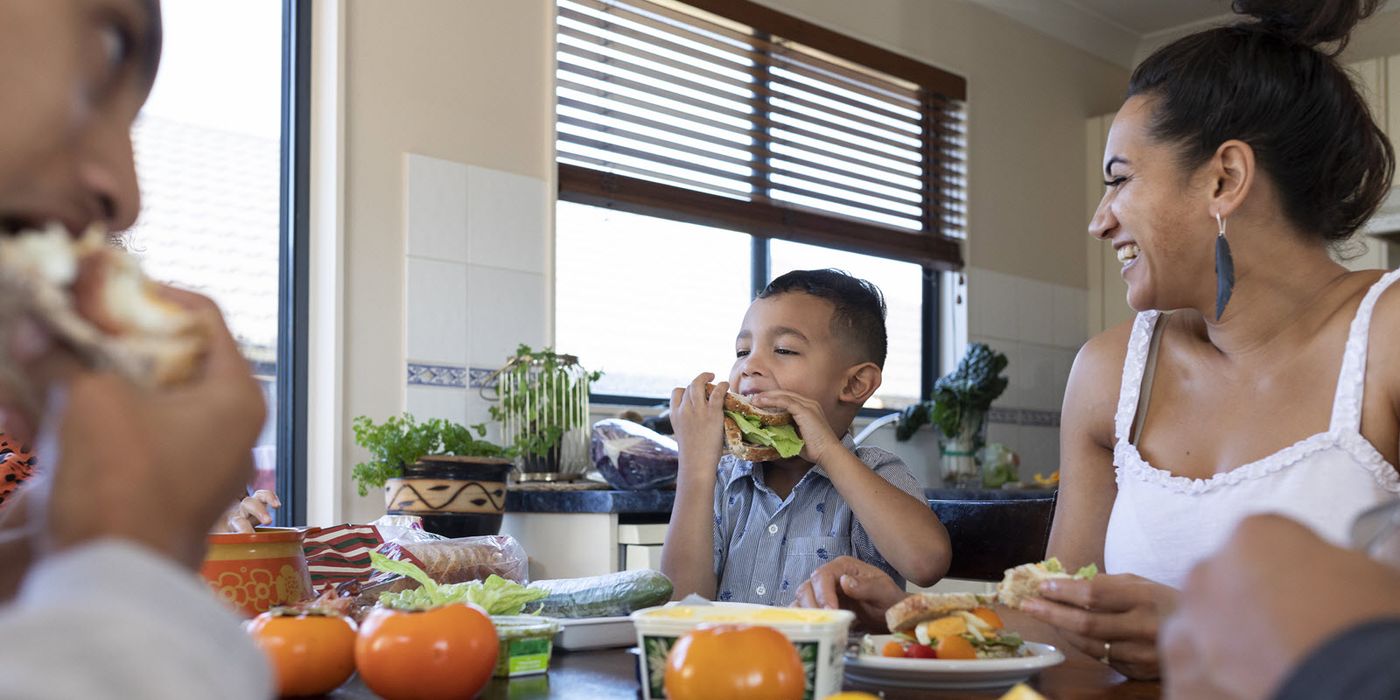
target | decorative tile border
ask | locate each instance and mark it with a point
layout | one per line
(437, 375)
(1024, 416)
(481, 378)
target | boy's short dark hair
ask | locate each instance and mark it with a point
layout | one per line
(859, 315)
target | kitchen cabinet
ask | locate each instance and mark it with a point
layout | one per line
(1108, 301)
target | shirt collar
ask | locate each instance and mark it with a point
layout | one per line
(744, 468)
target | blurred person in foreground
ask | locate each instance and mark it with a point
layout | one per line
(1279, 612)
(100, 551)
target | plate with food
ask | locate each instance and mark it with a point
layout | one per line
(948, 641)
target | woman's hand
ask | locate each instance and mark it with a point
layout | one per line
(1112, 617)
(817, 436)
(251, 512)
(699, 423)
(851, 584)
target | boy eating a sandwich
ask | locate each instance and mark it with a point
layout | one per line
(794, 492)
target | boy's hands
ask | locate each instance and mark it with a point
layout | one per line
(699, 423)
(812, 426)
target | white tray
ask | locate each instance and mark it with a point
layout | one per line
(595, 633)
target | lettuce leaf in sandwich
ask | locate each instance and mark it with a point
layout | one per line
(782, 438)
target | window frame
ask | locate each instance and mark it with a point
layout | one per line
(293, 263)
(931, 248)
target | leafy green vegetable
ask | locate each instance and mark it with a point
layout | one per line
(495, 595)
(782, 438)
(971, 388)
(1010, 640)
(401, 440)
(1054, 566)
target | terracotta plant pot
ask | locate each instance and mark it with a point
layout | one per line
(455, 496)
(256, 571)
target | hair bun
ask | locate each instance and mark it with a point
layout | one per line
(1309, 22)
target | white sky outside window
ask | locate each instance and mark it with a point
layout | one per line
(649, 301)
(902, 285)
(207, 157)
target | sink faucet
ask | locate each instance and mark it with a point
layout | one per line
(875, 425)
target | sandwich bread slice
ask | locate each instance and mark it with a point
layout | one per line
(95, 300)
(1023, 582)
(757, 434)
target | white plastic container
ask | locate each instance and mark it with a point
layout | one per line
(595, 633)
(818, 635)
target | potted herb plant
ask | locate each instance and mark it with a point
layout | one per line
(958, 410)
(444, 472)
(543, 405)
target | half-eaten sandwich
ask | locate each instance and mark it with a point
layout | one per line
(94, 299)
(1023, 582)
(757, 434)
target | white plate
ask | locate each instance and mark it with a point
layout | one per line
(595, 633)
(948, 673)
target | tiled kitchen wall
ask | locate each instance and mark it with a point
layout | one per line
(1039, 326)
(476, 271)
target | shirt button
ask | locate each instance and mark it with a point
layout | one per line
(761, 590)
(772, 529)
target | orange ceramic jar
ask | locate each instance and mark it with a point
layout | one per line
(258, 570)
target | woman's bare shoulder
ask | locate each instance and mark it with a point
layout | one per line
(1383, 363)
(1091, 398)
(1101, 359)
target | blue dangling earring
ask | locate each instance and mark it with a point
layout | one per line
(1224, 269)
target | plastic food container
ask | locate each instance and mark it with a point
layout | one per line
(595, 633)
(818, 635)
(526, 644)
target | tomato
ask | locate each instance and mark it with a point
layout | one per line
(439, 654)
(734, 661)
(893, 649)
(921, 651)
(311, 654)
(989, 616)
(954, 647)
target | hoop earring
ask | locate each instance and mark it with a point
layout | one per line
(1224, 269)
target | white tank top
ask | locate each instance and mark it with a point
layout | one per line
(1163, 524)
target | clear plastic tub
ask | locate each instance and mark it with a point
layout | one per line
(818, 635)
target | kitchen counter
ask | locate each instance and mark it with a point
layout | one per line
(586, 529)
(531, 499)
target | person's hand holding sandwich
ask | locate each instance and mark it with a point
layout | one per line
(135, 395)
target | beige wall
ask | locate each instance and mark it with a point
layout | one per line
(464, 80)
(1377, 36)
(1028, 97)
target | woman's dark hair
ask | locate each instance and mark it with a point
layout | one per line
(858, 319)
(1267, 84)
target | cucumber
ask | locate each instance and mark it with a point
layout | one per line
(610, 595)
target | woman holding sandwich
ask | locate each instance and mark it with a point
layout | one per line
(1244, 385)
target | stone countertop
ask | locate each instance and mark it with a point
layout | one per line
(522, 498)
(528, 498)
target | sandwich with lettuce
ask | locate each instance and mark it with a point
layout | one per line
(1023, 582)
(757, 434)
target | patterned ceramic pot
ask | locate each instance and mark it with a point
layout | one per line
(455, 496)
(258, 570)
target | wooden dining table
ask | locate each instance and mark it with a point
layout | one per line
(612, 673)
